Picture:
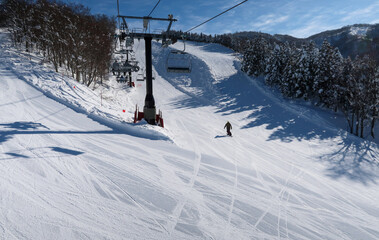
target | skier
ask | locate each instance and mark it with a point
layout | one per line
(228, 126)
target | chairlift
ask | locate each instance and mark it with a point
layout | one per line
(129, 41)
(128, 67)
(122, 51)
(140, 77)
(125, 79)
(179, 61)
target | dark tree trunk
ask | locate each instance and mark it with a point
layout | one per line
(373, 124)
(362, 127)
(352, 123)
(357, 123)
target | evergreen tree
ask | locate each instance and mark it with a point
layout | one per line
(276, 64)
(254, 58)
(287, 81)
(347, 93)
(374, 101)
(330, 62)
(3, 15)
(365, 101)
(306, 69)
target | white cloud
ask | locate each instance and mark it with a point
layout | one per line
(315, 25)
(267, 21)
(372, 10)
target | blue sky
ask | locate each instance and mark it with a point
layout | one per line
(298, 18)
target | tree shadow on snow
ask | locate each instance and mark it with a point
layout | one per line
(17, 126)
(236, 94)
(16, 155)
(354, 159)
(31, 128)
(22, 125)
(66, 151)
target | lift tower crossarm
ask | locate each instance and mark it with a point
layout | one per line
(149, 18)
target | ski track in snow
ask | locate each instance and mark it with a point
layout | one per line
(233, 196)
(131, 197)
(65, 176)
(182, 202)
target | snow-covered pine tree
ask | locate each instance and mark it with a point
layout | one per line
(247, 57)
(274, 66)
(347, 91)
(366, 89)
(312, 60)
(307, 71)
(330, 61)
(254, 58)
(276, 63)
(296, 75)
(300, 71)
(3, 15)
(371, 92)
(286, 83)
(375, 102)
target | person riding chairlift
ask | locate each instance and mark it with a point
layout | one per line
(122, 78)
(116, 68)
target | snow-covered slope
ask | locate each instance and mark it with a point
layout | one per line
(71, 169)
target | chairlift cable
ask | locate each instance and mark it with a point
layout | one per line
(215, 16)
(118, 13)
(154, 8)
(118, 8)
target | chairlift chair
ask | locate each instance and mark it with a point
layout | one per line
(129, 67)
(122, 79)
(140, 77)
(123, 51)
(178, 62)
(129, 42)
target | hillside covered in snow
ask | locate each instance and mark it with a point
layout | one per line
(74, 166)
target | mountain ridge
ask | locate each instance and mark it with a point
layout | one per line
(351, 40)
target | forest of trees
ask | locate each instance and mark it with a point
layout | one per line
(238, 44)
(66, 34)
(320, 75)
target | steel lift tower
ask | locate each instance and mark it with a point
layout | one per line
(149, 110)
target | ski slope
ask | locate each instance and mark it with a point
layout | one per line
(73, 166)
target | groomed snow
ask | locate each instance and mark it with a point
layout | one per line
(73, 166)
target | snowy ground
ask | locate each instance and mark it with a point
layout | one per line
(72, 166)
